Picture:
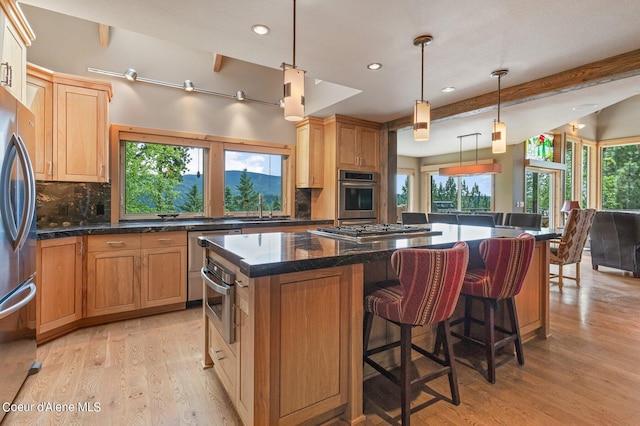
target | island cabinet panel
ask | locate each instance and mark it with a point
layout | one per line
(533, 312)
(309, 343)
(244, 334)
(224, 359)
(59, 279)
(164, 266)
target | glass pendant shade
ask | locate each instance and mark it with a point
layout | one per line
(499, 137)
(421, 120)
(293, 94)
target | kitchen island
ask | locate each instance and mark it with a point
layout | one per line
(297, 355)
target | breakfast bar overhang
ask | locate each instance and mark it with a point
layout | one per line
(297, 355)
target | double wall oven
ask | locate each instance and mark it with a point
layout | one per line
(357, 197)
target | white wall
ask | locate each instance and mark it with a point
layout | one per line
(619, 120)
(70, 45)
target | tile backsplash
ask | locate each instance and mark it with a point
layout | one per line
(71, 203)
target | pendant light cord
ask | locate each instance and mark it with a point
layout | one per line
(422, 77)
(499, 78)
(294, 34)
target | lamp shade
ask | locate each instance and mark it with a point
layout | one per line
(293, 94)
(499, 138)
(421, 119)
(570, 205)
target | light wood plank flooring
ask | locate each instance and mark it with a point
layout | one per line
(148, 371)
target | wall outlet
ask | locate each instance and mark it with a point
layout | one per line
(63, 209)
(519, 203)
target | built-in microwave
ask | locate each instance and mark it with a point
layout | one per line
(357, 195)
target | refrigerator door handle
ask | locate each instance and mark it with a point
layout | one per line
(28, 213)
(5, 312)
(17, 231)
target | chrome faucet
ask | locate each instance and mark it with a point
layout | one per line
(260, 206)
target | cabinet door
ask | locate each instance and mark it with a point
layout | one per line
(80, 142)
(113, 282)
(347, 152)
(368, 147)
(59, 278)
(40, 101)
(164, 276)
(310, 156)
(14, 54)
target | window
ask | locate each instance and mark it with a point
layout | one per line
(585, 176)
(193, 175)
(463, 193)
(402, 190)
(163, 179)
(568, 176)
(249, 177)
(621, 177)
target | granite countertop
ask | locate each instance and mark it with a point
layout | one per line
(278, 253)
(172, 225)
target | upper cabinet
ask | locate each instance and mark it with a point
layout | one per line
(72, 119)
(357, 147)
(310, 153)
(16, 36)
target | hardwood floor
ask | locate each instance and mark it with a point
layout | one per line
(148, 371)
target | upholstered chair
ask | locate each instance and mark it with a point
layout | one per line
(568, 249)
(426, 292)
(506, 263)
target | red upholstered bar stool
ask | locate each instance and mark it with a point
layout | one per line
(506, 261)
(426, 292)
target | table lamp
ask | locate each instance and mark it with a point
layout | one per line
(570, 205)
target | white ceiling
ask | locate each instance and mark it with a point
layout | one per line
(336, 39)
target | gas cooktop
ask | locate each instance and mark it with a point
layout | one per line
(364, 233)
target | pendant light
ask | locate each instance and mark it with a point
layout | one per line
(293, 83)
(471, 169)
(499, 134)
(422, 110)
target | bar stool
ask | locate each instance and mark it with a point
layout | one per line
(507, 261)
(426, 292)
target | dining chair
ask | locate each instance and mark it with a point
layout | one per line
(568, 249)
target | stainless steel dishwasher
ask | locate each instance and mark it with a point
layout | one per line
(196, 260)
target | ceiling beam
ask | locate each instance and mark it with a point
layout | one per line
(604, 71)
(103, 30)
(217, 62)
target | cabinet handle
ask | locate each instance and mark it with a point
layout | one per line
(239, 284)
(115, 242)
(6, 80)
(101, 170)
(80, 248)
(165, 239)
(50, 167)
(218, 356)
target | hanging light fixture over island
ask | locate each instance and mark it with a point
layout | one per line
(499, 134)
(422, 110)
(293, 96)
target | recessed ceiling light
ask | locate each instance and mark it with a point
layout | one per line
(448, 89)
(374, 66)
(260, 29)
(585, 107)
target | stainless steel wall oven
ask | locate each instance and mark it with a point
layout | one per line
(357, 195)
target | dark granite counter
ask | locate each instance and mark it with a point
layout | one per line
(172, 225)
(278, 253)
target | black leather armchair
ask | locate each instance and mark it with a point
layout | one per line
(615, 241)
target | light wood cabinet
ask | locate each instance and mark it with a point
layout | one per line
(16, 36)
(132, 271)
(164, 266)
(59, 279)
(357, 147)
(72, 118)
(310, 153)
(40, 101)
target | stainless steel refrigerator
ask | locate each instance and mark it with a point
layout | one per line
(17, 248)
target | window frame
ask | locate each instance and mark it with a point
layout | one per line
(213, 182)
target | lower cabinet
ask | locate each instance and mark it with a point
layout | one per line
(133, 271)
(59, 281)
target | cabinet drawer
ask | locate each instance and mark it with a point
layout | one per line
(164, 239)
(113, 242)
(224, 360)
